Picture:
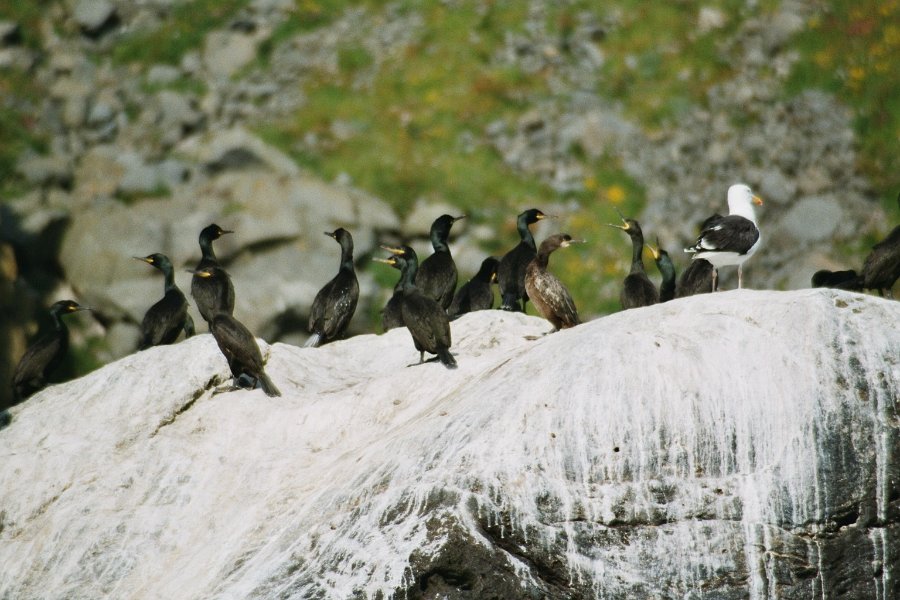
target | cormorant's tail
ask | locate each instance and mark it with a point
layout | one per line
(267, 386)
(313, 341)
(446, 358)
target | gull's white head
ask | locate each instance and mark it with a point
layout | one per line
(741, 201)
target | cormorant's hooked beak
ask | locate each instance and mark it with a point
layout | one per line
(757, 200)
(624, 226)
(146, 259)
(330, 234)
(567, 243)
(394, 250)
(224, 231)
(455, 219)
(79, 308)
(200, 273)
(654, 251)
(545, 216)
(388, 261)
(494, 277)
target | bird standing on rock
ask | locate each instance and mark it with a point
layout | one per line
(237, 343)
(169, 317)
(549, 296)
(477, 293)
(437, 275)
(335, 303)
(43, 356)
(423, 317)
(637, 289)
(666, 269)
(882, 266)
(212, 295)
(731, 240)
(511, 270)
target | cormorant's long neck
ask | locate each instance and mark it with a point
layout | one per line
(206, 248)
(408, 275)
(637, 251)
(169, 274)
(346, 257)
(525, 233)
(58, 322)
(439, 241)
(543, 258)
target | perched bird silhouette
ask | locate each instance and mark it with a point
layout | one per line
(666, 269)
(426, 321)
(43, 356)
(437, 275)
(335, 303)
(881, 268)
(237, 343)
(392, 314)
(511, 270)
(696, 279)
(637, 289)
(477, 293)
(216, 294)
(730, 240)
(169, 317)
(548, 294)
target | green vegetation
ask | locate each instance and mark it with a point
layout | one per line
(852, 51)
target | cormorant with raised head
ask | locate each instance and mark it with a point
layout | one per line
(549, 296)
(212, 294)
(731, 240)
(637, 289)
(335, 303)
(391, 314)
(43, 356)
(167, 318)
(666, 269)
(437, 275)
(882, 266)
(696, 279)
(423, 317)
(511, 270)
(237, 343)
(477, 293)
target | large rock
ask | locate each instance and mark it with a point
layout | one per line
(733, 445)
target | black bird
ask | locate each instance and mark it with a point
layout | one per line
(391, 314)
(214, 294)
(335, 303)
(477, 293)
(167, 318)
(637, 290)
(733, 239)
(696, 279)
(437, 275)
(511, 270)
(549, 296)
(424, 318)
(44, 355)
(667, 269)
(841, 280)
(882, 266)
(237, 343)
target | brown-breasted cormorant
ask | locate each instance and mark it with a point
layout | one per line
(730, 240)
(391, 314)
(335, 303)
(511, 270)
(237, 343)
(839, 280)
(423, 317)
(666, 269)
(43, 356)
(212, 294)
(696, 279)
(167, 318)
(881, 268)
(477, 293)
(549, 296)
(637, 289)
(437, 276)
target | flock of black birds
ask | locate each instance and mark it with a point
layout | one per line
(426, 297)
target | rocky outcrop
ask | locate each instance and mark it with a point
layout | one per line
(733, 445)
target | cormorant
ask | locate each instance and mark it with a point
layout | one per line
(882, 267)
(212, 294)
(237, 343)
(44, 355)
(391, 314)
(666, 269)
(637, 289)
(696, 279)
(841, 280)
(424, 318)
(511, 270)
(335, 303)
(549, 296)
(437, 275)
(730, 240)
(167, 318)
(477, 293)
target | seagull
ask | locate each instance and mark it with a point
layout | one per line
(727, 241)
